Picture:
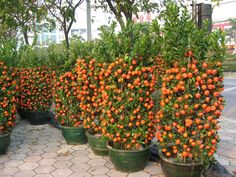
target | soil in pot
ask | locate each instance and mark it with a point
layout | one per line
(97, 143)
(5, 140)
(129, 160)
(74, 135)
(178, 169)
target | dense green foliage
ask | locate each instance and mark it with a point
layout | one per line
(136, 40)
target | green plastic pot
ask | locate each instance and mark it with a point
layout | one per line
(25, 115)
(97, 143)
(129, 160)
(74, 135)
(5, 140)
(177, 169)
(38, 118)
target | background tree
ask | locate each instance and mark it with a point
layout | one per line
(125, 10)
(22, 15)
(64, 13)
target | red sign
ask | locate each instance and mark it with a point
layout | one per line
(222, 25)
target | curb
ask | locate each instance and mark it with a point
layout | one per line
(230, 75)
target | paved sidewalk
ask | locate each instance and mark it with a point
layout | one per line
(41, 151)
(227, 147)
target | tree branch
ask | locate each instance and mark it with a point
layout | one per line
(52, 13)
(117, 15)
(111, 7)
(79, 3)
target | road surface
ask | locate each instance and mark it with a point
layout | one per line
(230, 98)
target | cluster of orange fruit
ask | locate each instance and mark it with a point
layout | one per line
(90, 86)
(191, 105)
(35, 89)
(8, 97)
(128, 118)
(113, 99)
(65, 96)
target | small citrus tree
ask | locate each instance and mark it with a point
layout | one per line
(90, 85)
(67, 110)
(35, 89)
(191, 101)
(8, 98)
(128, 116)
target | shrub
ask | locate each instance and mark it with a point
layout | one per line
(29, 57)
(90, 86)
(191, 100)
(128, 116)
(8, 98)
(67, 110)
(35, 89)
(8, 52)
(191, 105)
(136, 40)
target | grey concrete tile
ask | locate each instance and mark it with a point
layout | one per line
(63, 164)
(97, 162)
(27, 173)
(115, 173)
(9, 171)
(13, 163)
(61, 172)
(44, 169)
(47, 161)
(98, 170)
(28, 166)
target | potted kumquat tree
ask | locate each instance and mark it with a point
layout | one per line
(35, 94)
(128, 117)
(191, 101)
(90, 85)
(8, 97)
(67, 110)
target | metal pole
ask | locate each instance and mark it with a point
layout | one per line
(205, 13)
(194, 16)
(89, 28)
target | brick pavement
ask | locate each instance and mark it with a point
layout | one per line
(41, 151)
(227, 147)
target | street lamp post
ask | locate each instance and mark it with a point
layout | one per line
(89, 30)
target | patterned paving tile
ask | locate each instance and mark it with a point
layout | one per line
(48, 155)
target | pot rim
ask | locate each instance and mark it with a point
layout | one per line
(88, 131)
(171, 161)
(67, 127)
(129, 151)
(5, 134)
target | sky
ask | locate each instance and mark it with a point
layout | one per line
(226, 10)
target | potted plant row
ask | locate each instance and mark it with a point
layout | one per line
(113, 102)
(67, 110)
(8, 99)
(35, 94)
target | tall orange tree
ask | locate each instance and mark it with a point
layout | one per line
(191, 101)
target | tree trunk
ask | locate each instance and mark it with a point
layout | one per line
(35, 36)
(26, 37)
(121, 22)
(67, 39)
